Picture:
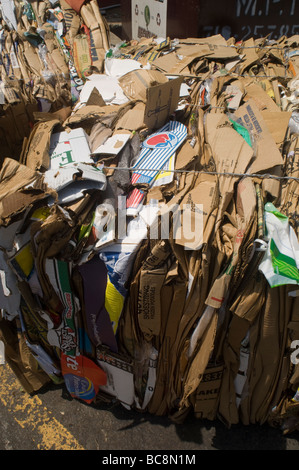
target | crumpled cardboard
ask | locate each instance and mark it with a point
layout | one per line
(21, 361)
(82, 55)
(267, 153)
(159, 94)
(35, 153)
(200, 206)
(99, 33)
(21, 188)
(136, 83)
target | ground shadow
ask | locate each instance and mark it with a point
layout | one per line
(212, 435)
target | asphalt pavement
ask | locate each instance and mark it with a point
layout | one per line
(52, 420)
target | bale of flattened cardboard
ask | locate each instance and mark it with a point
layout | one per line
(149, 231)
(47, 51)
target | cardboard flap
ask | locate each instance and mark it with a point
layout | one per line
(135, 83)
(36, 155)
(266, 151)
(161, 102)
(196, 208)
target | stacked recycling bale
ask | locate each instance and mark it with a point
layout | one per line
(96, 293)
(45, 57)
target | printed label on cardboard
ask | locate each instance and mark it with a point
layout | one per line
(82, 377)
(207, 392)
(149, 301)
(120, 376)
(149, 18)
(267, 153)
(69, 148)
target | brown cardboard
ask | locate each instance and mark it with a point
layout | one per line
(152, 275)
(266, 354)
(230, 151)
(251, 57)
(227, 409)
(10, 91)
(172, 304)
(190, 301)
(234, 233)
(186, 155)
(161, 102)
(98, 135)
(55, 50)
(72, 20)
(36, 153)
(173, 64)
(32, 58)
(277, 70)
(149, 302)
(88, 113)
(82, 55)
(201, 359)
(61, 114)
(99, 34)
(267, 153)
(20, 188)
(233, 94)
(112, 145)
(198, 204)
(231, 154)
(215, 51)
(133, 119)
(205, 399)
(136, 83)
(217, 39)
(95, 98)
(198, 280)
(277, 123)
(166, 63)
(14, 128)
(20, 360)
(263, 101)
(289, 196)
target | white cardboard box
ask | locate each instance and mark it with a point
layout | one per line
(69, 148)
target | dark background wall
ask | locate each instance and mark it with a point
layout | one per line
(239, 18)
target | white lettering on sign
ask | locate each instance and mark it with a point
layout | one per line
(257, 18)
(265, 7)
(273, 31)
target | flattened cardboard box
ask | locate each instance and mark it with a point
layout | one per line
(160, 95)
(267, 153)
(136, 83)
(206, 396)
(69, 147)
(196, 208)
(161, 102)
